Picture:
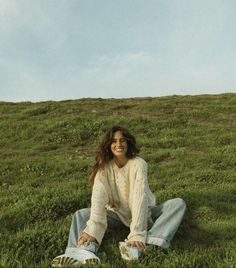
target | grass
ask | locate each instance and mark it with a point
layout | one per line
(48, 149)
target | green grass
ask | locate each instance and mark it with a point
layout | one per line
(47, 150)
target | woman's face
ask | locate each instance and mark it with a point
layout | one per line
(119, 145)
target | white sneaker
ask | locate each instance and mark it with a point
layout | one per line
(74, 257)
(128, 253)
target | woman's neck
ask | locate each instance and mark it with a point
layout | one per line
(121, 161)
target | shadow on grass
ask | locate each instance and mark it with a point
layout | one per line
(209, 219)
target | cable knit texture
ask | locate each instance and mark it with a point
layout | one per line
(126, 192)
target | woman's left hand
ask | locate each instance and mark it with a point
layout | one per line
(85, 238)
(138, 244)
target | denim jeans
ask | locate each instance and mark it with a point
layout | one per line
(166, 220)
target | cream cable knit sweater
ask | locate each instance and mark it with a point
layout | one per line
(126, 192)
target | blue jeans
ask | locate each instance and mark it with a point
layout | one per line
(166, 217)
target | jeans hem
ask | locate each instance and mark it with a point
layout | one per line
(160, 242)
(91, 246)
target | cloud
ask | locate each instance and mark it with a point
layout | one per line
(111, 75)
(118, 65)
(140, 74)
(122, 60)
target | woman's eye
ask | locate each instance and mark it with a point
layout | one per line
(121, 141)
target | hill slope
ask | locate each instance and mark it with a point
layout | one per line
(48, 148)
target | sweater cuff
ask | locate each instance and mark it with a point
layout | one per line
(96, 230)
(138, 236)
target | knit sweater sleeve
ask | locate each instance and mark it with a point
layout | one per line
(97, 223)
(139, 205)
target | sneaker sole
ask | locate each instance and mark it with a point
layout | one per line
(69, 261)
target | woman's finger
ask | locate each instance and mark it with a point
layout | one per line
(85, 238)
(137, 244)
(141, 245)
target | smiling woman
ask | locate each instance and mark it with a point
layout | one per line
(121, 197)
(117, 144)
(119, 147)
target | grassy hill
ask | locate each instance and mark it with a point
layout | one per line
(47, 150)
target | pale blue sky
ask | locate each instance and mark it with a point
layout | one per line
(70, 49)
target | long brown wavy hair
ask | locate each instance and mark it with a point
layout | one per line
(104, 154)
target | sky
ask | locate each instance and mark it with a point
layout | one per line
(71, 49)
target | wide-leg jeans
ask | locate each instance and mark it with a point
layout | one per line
(166, 220)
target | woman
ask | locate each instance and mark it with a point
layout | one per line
(120, 196)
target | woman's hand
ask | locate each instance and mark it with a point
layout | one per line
(85, 238)
(138, 244)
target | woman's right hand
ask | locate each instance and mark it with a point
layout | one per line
(138, 244)
(85, 238)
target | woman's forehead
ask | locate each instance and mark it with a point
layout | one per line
(118, 134)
